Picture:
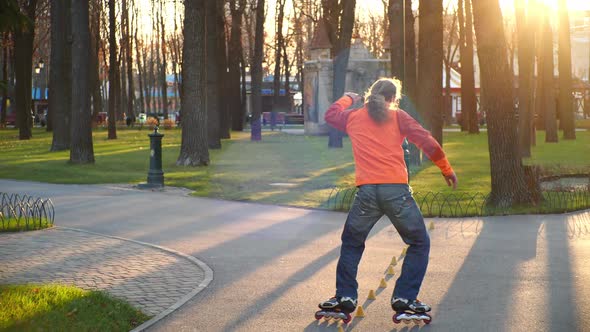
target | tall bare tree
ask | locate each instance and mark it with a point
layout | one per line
(256, 130)
(526, 59)
(139, 64)
(164, 66)
(81, 150)
(396, 16)
(212, 34)
(468, 97)
(411, 77)
(5, 79)
(60, 86)
(566, 109)
(548, 103)
(129, 59)
(113, 72)
(507, 174)
(23, 53)
(430, 64)
(279, 45)
(451, 44)
(193, 148)
(95, 42)
(222, 65)
(234, 55)
(339, 18)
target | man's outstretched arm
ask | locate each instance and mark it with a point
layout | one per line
(424, 141)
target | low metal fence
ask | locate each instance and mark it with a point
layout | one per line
(26, 212)
(437, 204)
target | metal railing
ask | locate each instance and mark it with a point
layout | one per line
(27, 212)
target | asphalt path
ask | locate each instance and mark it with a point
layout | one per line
(272, 264)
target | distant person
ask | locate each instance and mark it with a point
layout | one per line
(376, 131)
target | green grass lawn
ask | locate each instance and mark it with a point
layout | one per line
(281, 169)
(63, 308)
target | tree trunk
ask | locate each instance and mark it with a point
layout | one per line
(566, 109)
(129, 67)
(113, 77)
(280, 10)
(4, 102)
(507, 174)
(140, 71)
(410, 72)
(163, 83)
(148, 77)
(548, 103)
(464, 123)
(256, 131)
(341, 54)
(430, 64)
(60, 80)
(223, 103)
(214, 141)
(193, 148)
(396, 17)
(411, 77)
(235, 51)
(469, 98)
(287, 66)
(23, 52)
(526, 58)
(81, 151)
(94, 65)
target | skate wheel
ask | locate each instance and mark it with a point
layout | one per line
(427, 321)
(319, 315)
(406, 321)
(347, 319)
(395, 320)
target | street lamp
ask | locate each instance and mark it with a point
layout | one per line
(41, 64)
(38, 69)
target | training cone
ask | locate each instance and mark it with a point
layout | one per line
(371, 295)
(394, 261)
(340, 329)
(390, 270)
(360, 312)
(431, 225)
(404, 251)
(383, 284)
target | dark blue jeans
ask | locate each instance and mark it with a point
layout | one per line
(370, 204)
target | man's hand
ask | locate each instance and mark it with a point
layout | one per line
(355, 97)
(451, 180)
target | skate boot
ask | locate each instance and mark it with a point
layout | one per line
(337, 308)
(410, 310)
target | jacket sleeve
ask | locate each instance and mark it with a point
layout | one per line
(424, 141)
(336, 116)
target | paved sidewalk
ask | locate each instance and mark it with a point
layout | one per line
(148, 278)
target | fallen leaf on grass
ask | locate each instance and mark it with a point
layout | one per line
(71, 313)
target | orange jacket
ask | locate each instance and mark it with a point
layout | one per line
(376, 147)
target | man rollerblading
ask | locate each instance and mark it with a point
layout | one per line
(376, 132)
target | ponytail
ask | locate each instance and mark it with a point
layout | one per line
(382, 92)
(376, 105)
